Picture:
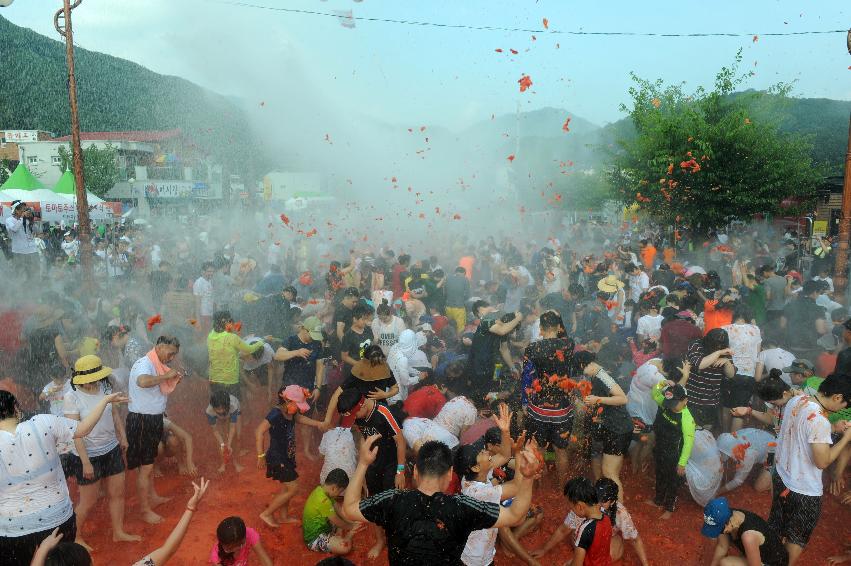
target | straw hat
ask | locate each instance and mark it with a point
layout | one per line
(89, 369)
(609, 284)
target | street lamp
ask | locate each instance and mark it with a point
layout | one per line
(65, 30)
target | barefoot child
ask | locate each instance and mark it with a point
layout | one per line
(224, 407)
(321, 525)
(235, 543)
(176, 443)
(593, 537)
(279, 459)
(674, 429)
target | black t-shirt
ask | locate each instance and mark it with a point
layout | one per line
(423, 529)
(281, 439)
(354, 344)
(613, 419)
(801, 315)
(381, 421)
(300, 371)
(343, 314)
(366, 387)
(550, 356)
(771, 552)
(485, 347)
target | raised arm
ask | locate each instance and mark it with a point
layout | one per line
(87, 424)
(350, 510)
(162, 555)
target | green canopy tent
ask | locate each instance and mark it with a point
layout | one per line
(22, 185)
(67, 187)
(21, 178)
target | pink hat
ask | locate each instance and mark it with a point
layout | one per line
(297, 395)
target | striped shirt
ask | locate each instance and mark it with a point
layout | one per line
(704, 385)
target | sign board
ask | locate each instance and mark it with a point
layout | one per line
(175, 189)
(20, 135)
(67, 211)
(820, 228)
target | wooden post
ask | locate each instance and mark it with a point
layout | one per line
(84, 229)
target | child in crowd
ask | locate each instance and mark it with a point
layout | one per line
(176, 443)
(622, 526)
(674, 433)
(54, 392)
(279, 458)
(235, 543)
(321, 525)
(225, 407)
(593, 537)
(338, 448)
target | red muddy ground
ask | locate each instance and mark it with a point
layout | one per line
(676, 541)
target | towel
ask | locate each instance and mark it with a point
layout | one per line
(170, 384)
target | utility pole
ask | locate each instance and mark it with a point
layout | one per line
(84, 226)
(840, 267)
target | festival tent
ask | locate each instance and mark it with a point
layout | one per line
(21, 178)
(22, 185)
(66, 187)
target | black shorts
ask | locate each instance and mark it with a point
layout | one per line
(737, 392)
(705, 416)
(144, 433)
(793, 515)
(232, 389)
(105, 465)
(283, 472)
(381, 475)
(69, 462)
(18, 551)
(555, 434)
(604, 441)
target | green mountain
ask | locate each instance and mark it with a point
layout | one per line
(114, 95)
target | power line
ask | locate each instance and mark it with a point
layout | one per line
(350, 17)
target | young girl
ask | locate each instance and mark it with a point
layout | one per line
(280, 459)
(235, 543)
(622, 526)
(225, 407)
(99, 454)
(611, 424)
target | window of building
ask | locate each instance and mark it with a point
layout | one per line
(32, 160)
(57, 160)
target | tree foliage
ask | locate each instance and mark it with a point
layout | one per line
(100, 169)
(706, 157)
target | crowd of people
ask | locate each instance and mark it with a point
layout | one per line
(440, 400)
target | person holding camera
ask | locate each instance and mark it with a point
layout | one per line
(19, 226)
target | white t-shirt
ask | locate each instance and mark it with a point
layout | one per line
(233, 409)
(458, 413)
(102, 438)
(745, 341)
(803, 425)
(250, 363)
(145, 400)
(338, 448)
(34, 496)
(387, 334)
(777, 358)
(481, 544)
(23, 241)
(637, 285)
(650, 326)
(418, 429)
(623, 523)
(755, 451)
(204, 289)
(56, 397)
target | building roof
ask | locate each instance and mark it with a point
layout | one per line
(130, 136)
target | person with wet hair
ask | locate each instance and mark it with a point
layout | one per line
(34, 496)
(711, 363)
(235, 543)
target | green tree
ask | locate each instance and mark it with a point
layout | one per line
(706, 157)
(99, 167)
(5, 168)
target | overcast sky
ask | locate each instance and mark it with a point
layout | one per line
(411, 74)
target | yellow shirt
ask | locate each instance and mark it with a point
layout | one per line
(224, 349)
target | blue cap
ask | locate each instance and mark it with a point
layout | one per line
(715, 516)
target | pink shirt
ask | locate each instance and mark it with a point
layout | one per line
(252, 537)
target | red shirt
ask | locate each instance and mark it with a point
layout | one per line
(825, 363)
(595, 536)
(396, 280)
(713, 317)
(676, 336)
(424, 402)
